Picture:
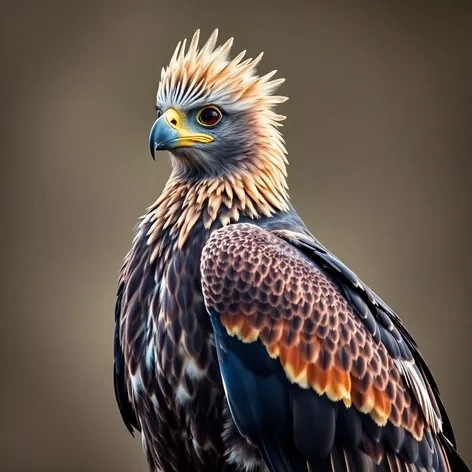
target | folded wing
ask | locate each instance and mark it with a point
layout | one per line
(317, 373)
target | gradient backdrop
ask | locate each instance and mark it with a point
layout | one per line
(378, 133)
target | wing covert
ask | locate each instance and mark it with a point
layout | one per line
(262, 291)
(384, 325)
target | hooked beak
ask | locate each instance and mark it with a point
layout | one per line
(168, 132)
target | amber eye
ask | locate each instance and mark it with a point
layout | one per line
(209, 116)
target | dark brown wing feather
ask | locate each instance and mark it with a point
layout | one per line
(121, 393)
(327, 339)
(386, 319)
(364, 300)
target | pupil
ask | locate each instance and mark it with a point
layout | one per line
(209, 116)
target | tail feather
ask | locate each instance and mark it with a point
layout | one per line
(456, 463)
(279, 460)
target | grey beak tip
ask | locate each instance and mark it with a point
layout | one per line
(161, 136)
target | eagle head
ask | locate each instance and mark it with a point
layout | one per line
(215, 114)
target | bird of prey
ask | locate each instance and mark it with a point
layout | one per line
(241, 342)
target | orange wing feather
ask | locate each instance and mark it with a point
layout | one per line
(265, 289)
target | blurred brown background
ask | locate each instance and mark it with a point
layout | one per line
(378, 134)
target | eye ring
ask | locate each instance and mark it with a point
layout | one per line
(158, 112)
(209, 116)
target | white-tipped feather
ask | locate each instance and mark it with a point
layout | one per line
(414, 380)
(181, 58)
(176, 52)
(192, 50)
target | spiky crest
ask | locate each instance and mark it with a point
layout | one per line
(198, 76)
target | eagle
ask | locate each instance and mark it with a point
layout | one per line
(241, 342)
